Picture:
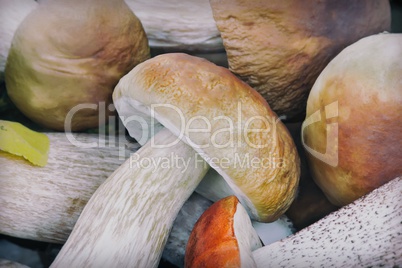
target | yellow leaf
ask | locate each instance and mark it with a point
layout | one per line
(20, 140)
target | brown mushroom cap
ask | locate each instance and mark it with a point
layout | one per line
(233, 128)
(280, 47)
(353, 126)
(67, 53)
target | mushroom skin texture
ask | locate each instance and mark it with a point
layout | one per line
(280, 47)
(128, 219)
(12, 13)
(225, 121)
(353, 126)
(43, 204)
(69, 53)
(222, 237)
(366, 233)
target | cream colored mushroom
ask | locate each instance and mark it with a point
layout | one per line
(128, 219)
(67, 56)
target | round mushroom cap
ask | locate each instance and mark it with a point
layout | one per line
(279, 47)
(225, 121)
(353, 126)
(58, 63)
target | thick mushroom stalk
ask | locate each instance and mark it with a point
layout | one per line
(44, 203)
(366, 233)
(225, 121)
(128, 219)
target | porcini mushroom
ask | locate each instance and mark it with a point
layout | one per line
(12, 13)
(353, 127)
(128, 218)
(67, 56)
(280, 47)
(222, 237)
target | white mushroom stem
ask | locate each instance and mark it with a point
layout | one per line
(366, 233)
(43, 203)
(127, 220)
(178, 24)
(246, 235)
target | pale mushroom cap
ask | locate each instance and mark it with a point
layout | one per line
(227, 122)
(69, 53)
(361, 128)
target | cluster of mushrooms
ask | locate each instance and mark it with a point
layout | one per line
(332, 62)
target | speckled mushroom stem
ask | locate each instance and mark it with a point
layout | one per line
(127, 220)
(366, 233)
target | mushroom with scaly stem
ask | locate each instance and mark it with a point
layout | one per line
(365, 233)
(128, 219)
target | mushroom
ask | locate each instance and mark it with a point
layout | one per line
(366, 233)
(280, 47)
(128, 218)
(49, 215)
(12, 13)
(67, 56)
(353, 148)
(222, 237)
(310, 204)
(43, 203)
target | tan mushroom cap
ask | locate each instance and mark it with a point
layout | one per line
(280, 47)
(226, 121)
(69, 53)
(356, 145)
